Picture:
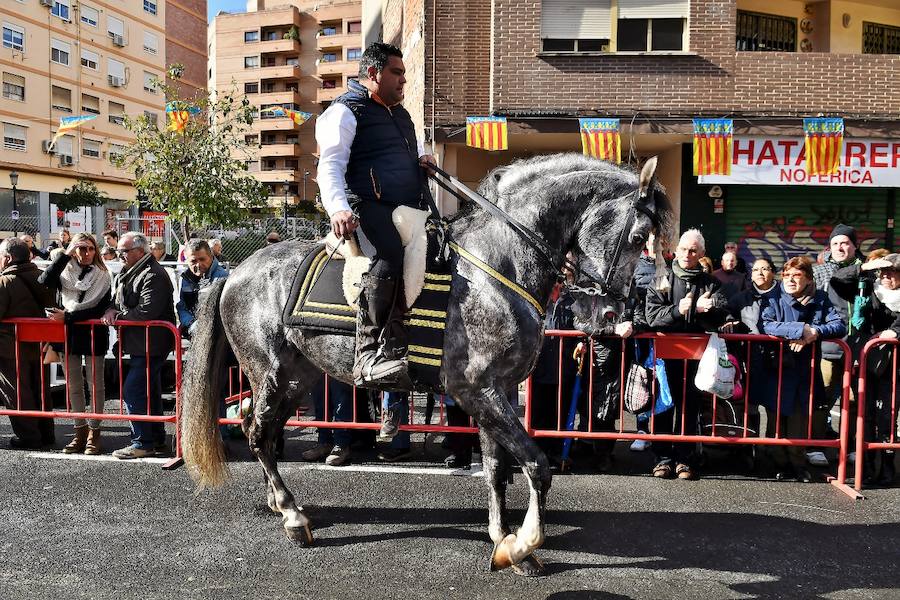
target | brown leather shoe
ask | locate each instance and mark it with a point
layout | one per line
(92, 447)
(684, 471)
(663, 471)
(79, 442)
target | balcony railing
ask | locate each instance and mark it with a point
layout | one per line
(759, 32)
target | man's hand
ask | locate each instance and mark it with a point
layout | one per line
(796, 345)
(878, 263)
(624, 329)
(704, 302)
(729, 327)
(684, 306)
(110, 316)
(888, 333)
(56, 314)
(810, 335)
(426, 161)
(343, 223)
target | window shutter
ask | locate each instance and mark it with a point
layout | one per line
(654, 9)
(575, 19)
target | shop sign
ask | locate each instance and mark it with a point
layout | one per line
(782, 161)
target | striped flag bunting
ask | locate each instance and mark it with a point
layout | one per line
(297, 116)
(824, 139)
(600, 138)
(487, 133)
(179, 113)
(712, 146)
(68, 123)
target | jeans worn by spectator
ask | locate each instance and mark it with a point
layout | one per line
(398, 402)
(145, 435)
(340, 409)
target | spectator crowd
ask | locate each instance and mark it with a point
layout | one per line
(807, 303)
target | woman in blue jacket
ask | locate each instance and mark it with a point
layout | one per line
(804, 316)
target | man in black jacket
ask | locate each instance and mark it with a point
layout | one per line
(689, 301)
(144, 292)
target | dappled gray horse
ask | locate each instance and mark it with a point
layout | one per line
(493, 333)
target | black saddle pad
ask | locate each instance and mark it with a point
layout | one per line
(316, 303)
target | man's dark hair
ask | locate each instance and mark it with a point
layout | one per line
(377, 55)
(111, 232)
(16, 249)
(195, 244)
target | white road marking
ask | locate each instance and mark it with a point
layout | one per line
(474, 472)
(101, 458)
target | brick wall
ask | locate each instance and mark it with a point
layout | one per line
(713, 79)
(186, 43)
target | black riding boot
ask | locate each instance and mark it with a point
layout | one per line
(378, 359)
(888, 471)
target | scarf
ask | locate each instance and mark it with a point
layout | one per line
(82, 287)
(809, 292)
(126, 277)
(890, 298)
(763, 292)
(688, 275)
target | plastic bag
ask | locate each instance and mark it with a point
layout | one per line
(715, 374)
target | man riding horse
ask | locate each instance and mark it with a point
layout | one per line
(370, 163)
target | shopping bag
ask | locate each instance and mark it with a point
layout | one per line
(637, 386)
(715, 374)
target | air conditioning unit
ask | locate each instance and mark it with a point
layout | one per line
(66, 161)
(118, 40)
(45, 147)
(115, 81)
(48, 3)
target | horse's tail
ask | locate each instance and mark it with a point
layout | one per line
(201, 441)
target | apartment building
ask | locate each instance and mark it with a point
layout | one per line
(296, 56)
(64, 58)
(185, 37)
(656, 64)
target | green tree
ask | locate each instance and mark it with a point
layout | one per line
(83, 193)
(196, 172)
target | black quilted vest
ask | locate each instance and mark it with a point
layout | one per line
(384, 161)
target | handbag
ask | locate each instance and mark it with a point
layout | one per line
(637, 386)
(880, 359)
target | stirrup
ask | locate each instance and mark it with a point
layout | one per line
(381, 371)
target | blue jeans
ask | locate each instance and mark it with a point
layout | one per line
(145, 435)
(399, 403)
(340, 405)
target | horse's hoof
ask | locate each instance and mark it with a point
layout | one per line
(501, 557)
(531, 566)
(301, 535)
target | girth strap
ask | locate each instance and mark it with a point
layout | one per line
(493, 273)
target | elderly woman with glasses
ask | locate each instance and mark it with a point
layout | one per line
(872, 289)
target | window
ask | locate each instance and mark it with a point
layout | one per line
(149, 85)
(90, 16)
(65, 146)
(116, 113)
(151, 43)
(90, 148)
(880, 39)
(60, 9)
(329, 57)
(354, 53)
(271, 36)
(151, 116)
(13, 37)
(89, 59)
(150, 6)
(116, 151)
(115, 26)
(251, 88)
(292, 62)
(59, 52)
(251, 36)
(759, 32)
(251, 62)
(90, 104)
(252, 165)
(116, 68)
(575, 25)
(329, 84)
(329, 30)
(354, 27)
(61, 98)
(251, 140)
(14, 137)
(650, 35)
(13, 87)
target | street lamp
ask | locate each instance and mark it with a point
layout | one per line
(305, 175)
(14, 180)
(284, 215)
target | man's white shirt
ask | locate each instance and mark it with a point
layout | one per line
(335, 131)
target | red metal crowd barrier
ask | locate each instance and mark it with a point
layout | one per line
(47, 331)
(866, 396)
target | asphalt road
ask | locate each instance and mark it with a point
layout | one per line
(101, 529)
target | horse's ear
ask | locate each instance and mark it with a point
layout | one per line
(647, 175)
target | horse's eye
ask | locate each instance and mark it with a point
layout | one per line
(638, 239)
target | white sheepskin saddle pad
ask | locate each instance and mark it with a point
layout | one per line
(410, 224)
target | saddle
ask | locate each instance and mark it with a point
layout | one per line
(324, 292)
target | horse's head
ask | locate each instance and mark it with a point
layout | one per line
(613, 232)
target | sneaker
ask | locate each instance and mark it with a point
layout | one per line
(639, 445)
(817, 459)
(317, 453)
(132, 452)
(390, 426)
(394, 454)
(338, 456)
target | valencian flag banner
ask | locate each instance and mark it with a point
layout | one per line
(487, 133)
(67, 123)
(600, 138)
(179, 113)
(712, 146)
(297, 116)
(824, 138)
